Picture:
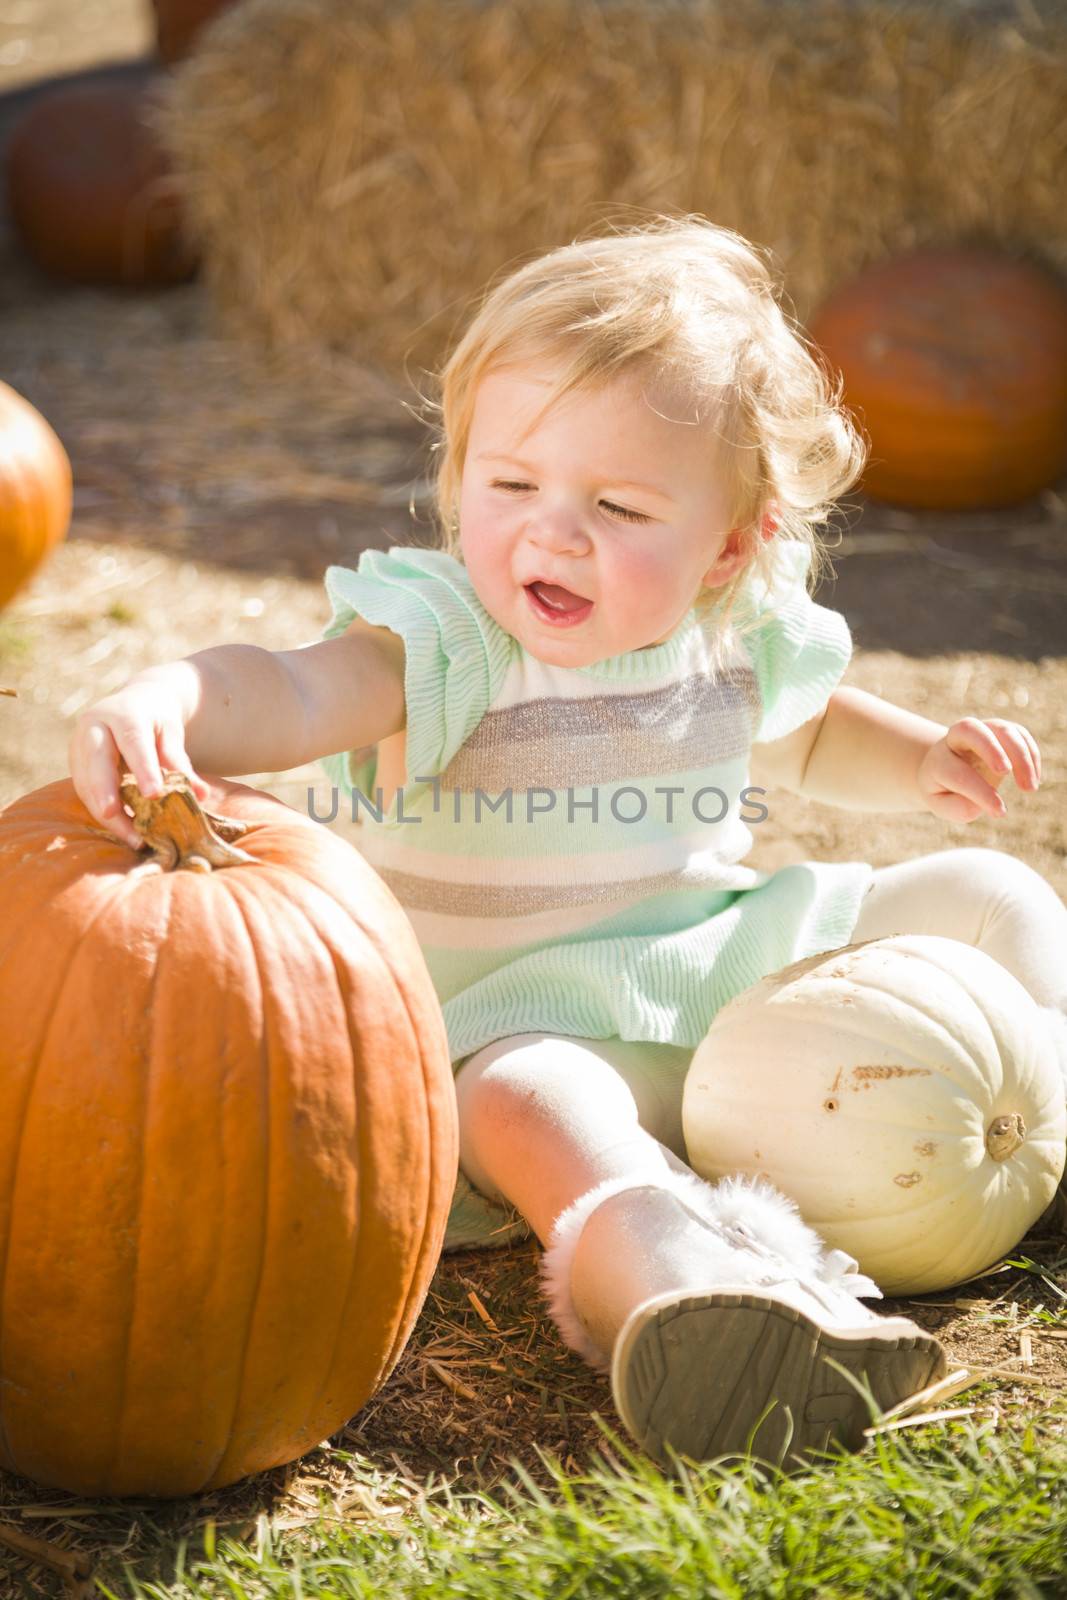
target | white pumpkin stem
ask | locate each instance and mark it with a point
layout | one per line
(1004, 1135)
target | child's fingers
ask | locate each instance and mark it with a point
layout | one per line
(106, 808)
(95, 766)
(954, 807)
(1020, 748)
(137, 749)
(975, 781)
(996, 747)
(131, 746)
(1035, 750)
(971, 737)
(174, 757)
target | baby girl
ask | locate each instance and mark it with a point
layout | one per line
(555, 728)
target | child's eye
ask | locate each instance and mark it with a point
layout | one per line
(512, 486)
(622, 511)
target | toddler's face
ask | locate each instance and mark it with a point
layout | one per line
(605, 499)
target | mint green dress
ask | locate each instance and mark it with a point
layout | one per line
(569, 843)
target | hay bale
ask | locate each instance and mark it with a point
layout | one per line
(356, 173)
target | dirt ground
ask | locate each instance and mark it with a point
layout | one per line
(213, 486)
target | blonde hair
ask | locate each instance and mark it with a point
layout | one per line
(684, 303)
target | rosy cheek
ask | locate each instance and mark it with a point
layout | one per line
(481, 542)
(644, 570)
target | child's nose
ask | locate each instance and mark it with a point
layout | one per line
(560, 530)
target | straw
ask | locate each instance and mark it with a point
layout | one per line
(355, 175)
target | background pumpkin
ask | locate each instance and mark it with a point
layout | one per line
(227, 1148)
(35, 491)
(902, 1091)
(90, 190)
(178, 22)
(955, 361)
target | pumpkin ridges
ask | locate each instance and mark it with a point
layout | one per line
(24, 938)
(369, 1129)
(339, 919)
(904, 1010)
(223, 1292)
(37, 1278)
(252, 1435)
(363, 1128)
(896, 1245)
(237, 1443)
(872, 1193)
(444, 1143)
(443, 1167)
(113, 1456)
(191, 1281)
(429, 1127)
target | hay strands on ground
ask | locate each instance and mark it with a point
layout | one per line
(909, 1413)
(72, 1565)
(952, 1415)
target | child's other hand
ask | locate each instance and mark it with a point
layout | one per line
(960, 774)
(139, 728)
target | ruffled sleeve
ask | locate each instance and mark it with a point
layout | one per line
(799, 650)
(456, 656)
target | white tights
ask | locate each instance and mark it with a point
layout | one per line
(543, 1119)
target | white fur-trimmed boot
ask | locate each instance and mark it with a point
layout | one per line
(713, 1306)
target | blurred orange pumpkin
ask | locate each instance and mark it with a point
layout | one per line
(228, 1144)
(955, 362)
(90, 188)
(35, 491)
(179, 21)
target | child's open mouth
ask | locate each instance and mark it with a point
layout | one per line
(558, 606)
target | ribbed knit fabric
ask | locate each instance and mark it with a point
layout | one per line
(569, 841)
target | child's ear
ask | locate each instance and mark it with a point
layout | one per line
(734, 554)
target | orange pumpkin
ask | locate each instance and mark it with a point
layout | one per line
(35, 491)
(179, 21)
(955, 362)
(228, 1145)
(90, 188)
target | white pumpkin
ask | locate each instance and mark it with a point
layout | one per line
(905, 1092)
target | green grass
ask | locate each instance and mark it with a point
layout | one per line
(952, 1509)
(16, 642)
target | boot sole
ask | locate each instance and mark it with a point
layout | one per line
(697, 1372)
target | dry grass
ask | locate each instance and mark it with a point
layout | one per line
(485, 1382)
(213, 486)
(357, 174)
(192, 458)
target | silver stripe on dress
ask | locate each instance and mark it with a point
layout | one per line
(559, 744)
(417, 893)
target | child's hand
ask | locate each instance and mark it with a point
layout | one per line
(139, 728)
(960, 774)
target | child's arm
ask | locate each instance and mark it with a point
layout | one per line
(865, 754)
(236, 709)
(264, 711)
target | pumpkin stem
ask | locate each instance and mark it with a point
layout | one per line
(1004, 1135)
(178, 832)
